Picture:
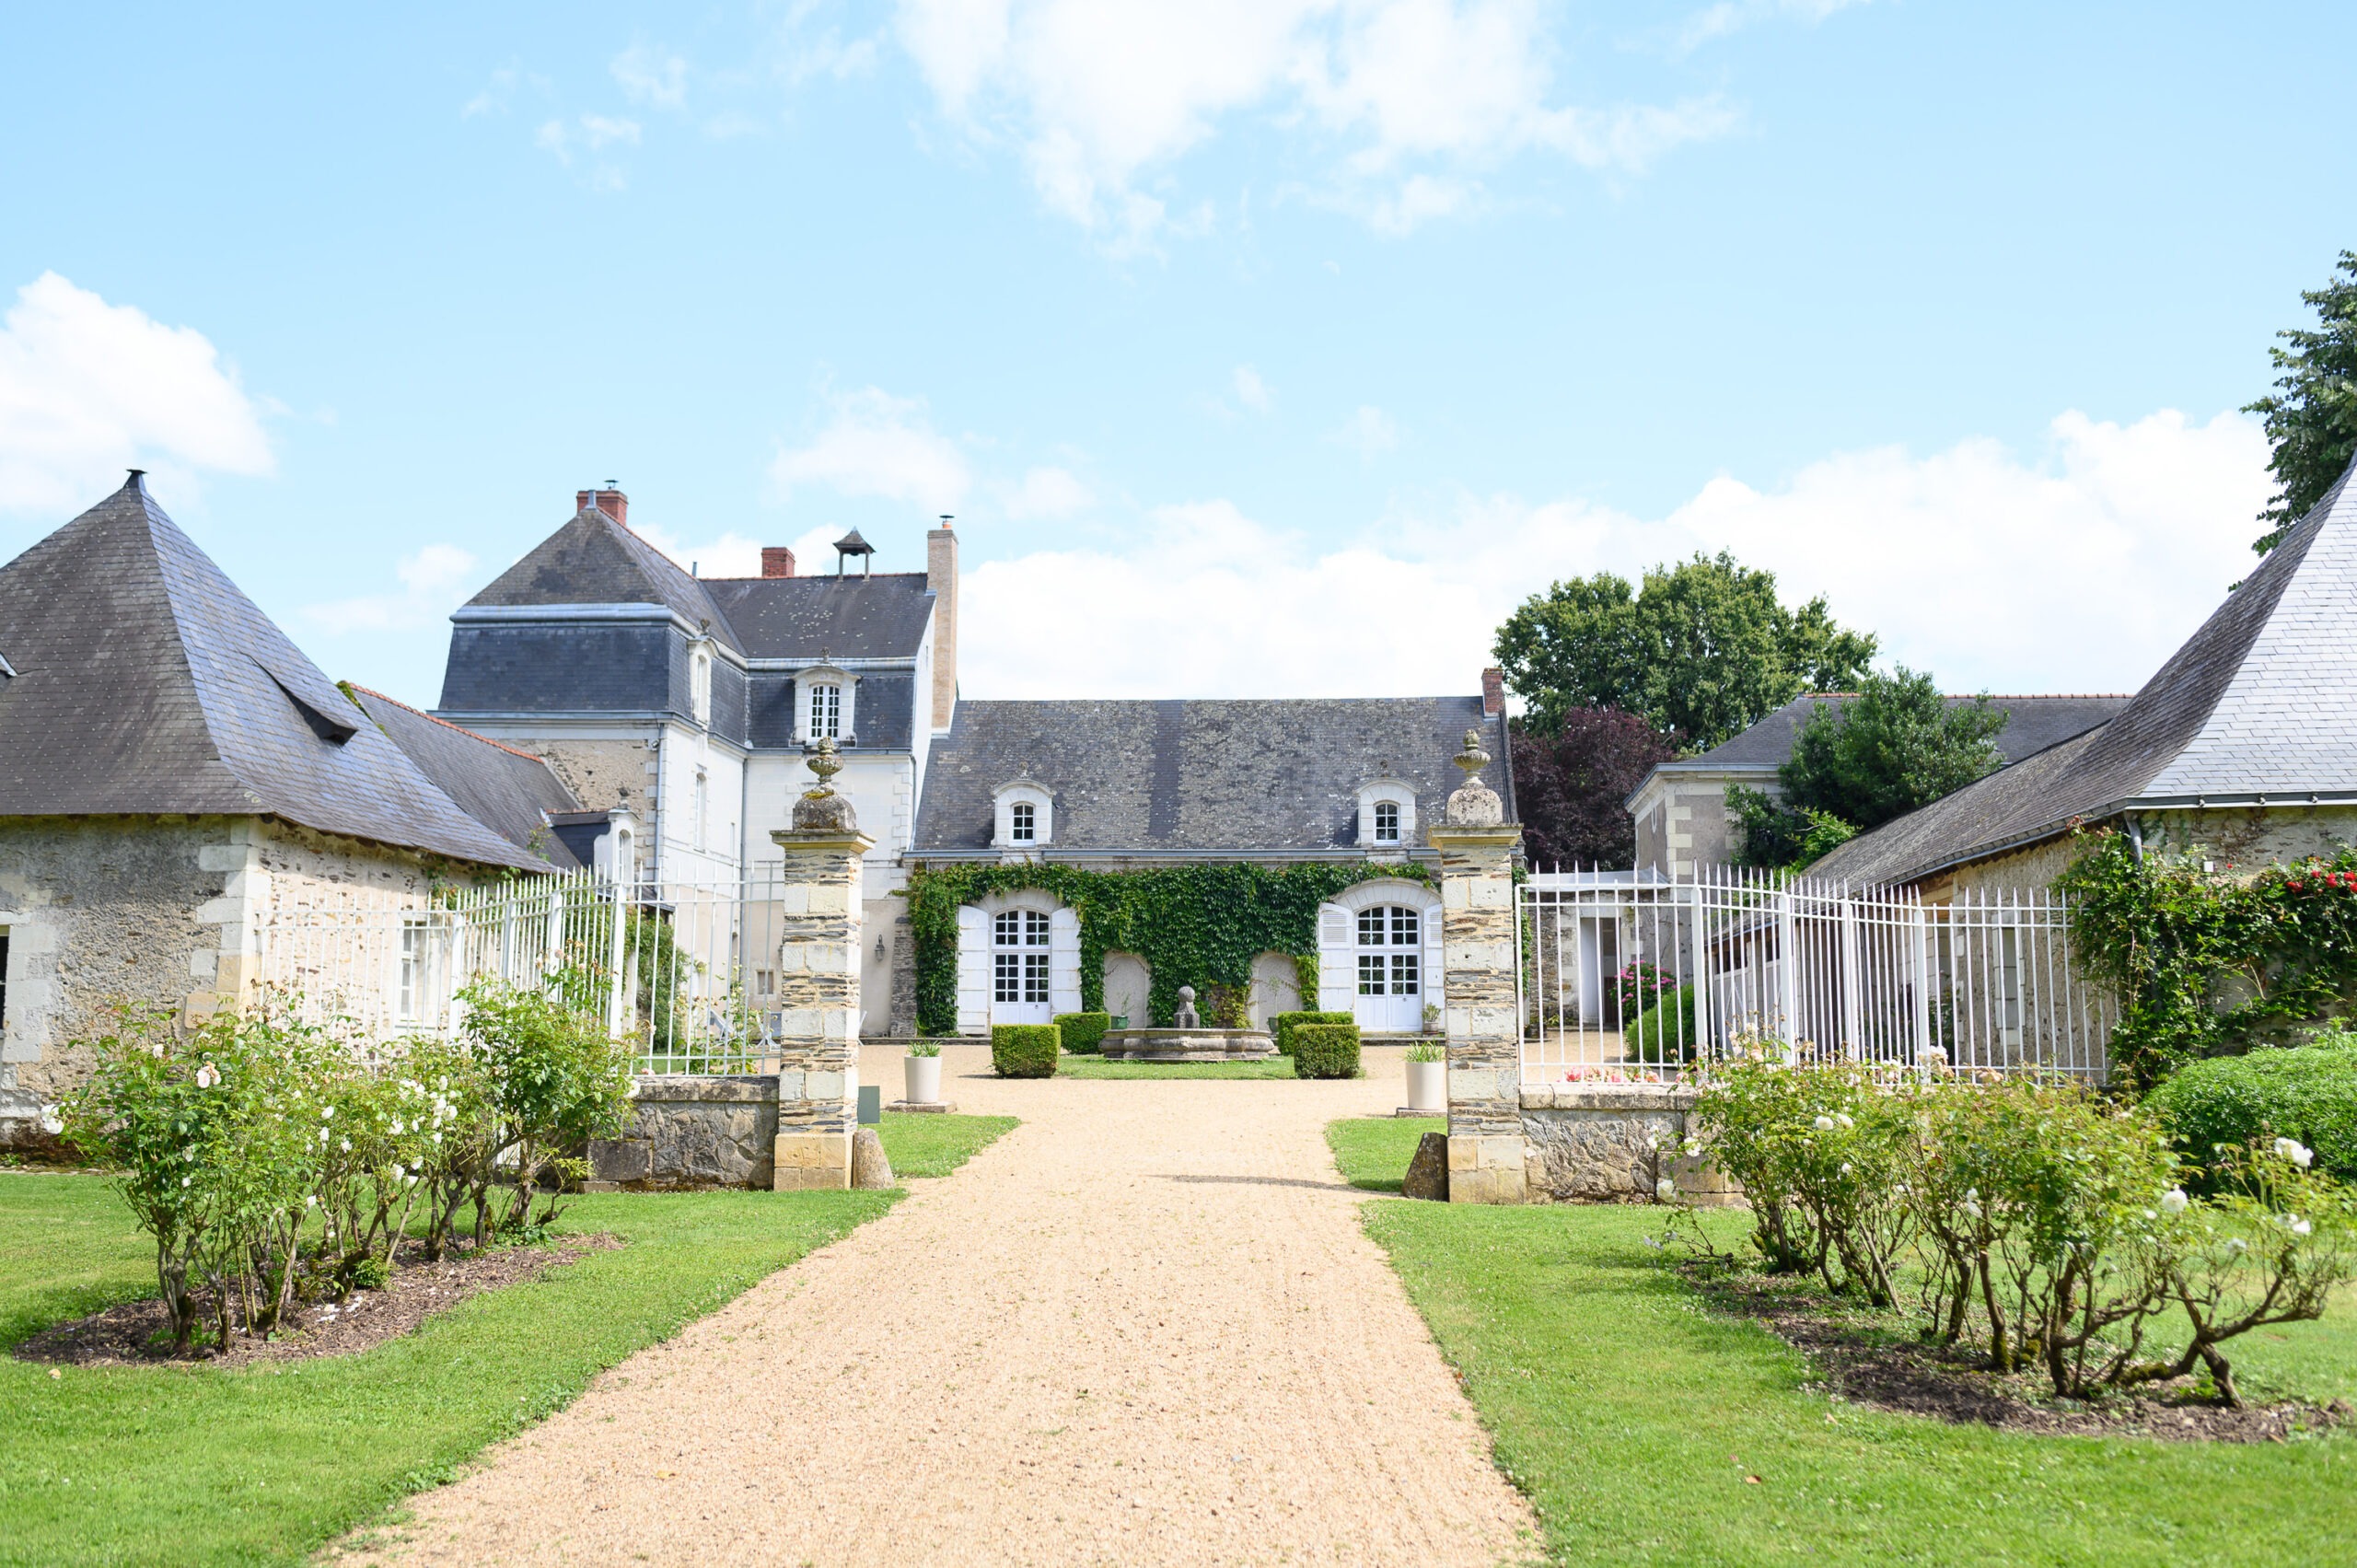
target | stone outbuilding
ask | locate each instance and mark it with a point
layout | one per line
(172, 772)
(2242, 748)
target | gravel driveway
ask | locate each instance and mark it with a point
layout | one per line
(1142, 1328)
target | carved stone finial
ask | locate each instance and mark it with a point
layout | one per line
(1474, 803)
(1187, 1018)
(820, 806)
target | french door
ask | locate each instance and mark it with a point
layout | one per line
(1019, 968)
(1390, 997)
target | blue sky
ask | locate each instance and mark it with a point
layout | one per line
(1259, 348)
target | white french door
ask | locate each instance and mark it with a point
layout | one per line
(1390, 998)
(1019, 968)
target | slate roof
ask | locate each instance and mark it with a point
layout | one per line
(2259, 706)
(2032, 723)
(595, 559)
(1199, 777)
(508, 791)
(883, 616)
(147, 683)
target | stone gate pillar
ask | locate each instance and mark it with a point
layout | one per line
(817, 1083)
(1476, 845)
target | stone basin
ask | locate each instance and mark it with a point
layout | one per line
(1189, 1045)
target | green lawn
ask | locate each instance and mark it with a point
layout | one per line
(1632, 1414)
(1373, 1151)
(1088, 1065)
(192, 1465)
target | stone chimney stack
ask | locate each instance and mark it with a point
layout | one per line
(941, 577)
(777, 560)
(1494, 692)
(611, 502)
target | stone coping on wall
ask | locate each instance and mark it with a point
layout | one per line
(706, 1088)
(1609, 1096)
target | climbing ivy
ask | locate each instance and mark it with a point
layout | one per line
(2211, 963)
(1194, 924)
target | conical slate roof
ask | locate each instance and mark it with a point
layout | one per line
(595, 559)
(2259, 707)
(145, 682)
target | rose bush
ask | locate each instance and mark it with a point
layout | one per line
(2037, 1218)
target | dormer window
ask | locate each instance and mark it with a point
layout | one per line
(826, 717)
(1386, 815)
(700, 684)
(1025, 818)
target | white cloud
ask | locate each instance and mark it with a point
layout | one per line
(1046, 495)
(1100, 98)
(2078, 571)
(1713, 22)
(1369, 433)
(651, 76)
(433, 582)
(592, 132)
(878, 445)
(88, 389)
(1253, 393)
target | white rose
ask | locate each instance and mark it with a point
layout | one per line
(2174, 1200)
(1664, 1189)
(2291, 1149)
(1824, 1124)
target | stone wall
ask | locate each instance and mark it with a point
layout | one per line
(690, 1132)
(154, 910)
(1588, 1144)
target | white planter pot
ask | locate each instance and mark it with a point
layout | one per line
(924, 1079)
(1427, 1085)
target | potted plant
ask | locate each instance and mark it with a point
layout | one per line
(923, 1066)
(1427, 1078)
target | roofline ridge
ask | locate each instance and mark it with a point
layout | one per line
(446, 724)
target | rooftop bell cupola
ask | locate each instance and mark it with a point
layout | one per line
(851, 544)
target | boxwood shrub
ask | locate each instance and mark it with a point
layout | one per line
(2307, 1092)
(1083, 1031)
(1326, 1051)
(1663, 1033)
(1282, 1025)
(1026, 1050)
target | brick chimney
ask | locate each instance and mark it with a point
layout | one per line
(1494, 692)
(611, 502)
(941, 577)
(776, 561)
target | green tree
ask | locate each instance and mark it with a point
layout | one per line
(1895, 745)
(2312, 422)
(1703, 647)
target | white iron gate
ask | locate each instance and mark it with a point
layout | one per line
(688, 972)
(1637, 975)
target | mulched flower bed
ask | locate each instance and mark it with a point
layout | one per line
(136, 1333)
(1893, 1372)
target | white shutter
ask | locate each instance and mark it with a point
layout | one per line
(1063, 962)
(973, 971)
(1338, 973)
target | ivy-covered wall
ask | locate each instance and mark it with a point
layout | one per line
(2212, 963)
(1193, 925)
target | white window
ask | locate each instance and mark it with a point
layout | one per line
(765, 983)
(1386, 814)
(1023, 815)
(1387, 821)
(704, 809)
(699, 686)
(1019, 956)
(416, 953)
(1390, 951)
(1023, 822)
(825, 720)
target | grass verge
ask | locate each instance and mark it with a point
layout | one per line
(1084, 1065)
(1373, 1152)
(192, 1465)
(1637, 1419)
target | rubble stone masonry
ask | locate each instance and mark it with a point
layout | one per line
(819, 998)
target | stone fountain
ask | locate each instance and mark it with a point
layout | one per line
(1186, 1040)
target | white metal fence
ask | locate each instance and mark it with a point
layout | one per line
(1638, 975)
(688, 972)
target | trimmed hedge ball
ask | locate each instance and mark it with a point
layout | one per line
(1026, 1050)
(1326, 1051)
